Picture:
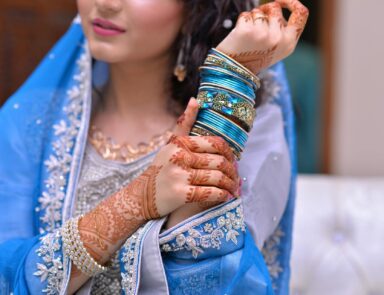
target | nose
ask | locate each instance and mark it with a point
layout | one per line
(107, 7)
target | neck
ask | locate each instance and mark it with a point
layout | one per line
(138, 88)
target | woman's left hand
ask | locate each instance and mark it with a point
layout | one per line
(263, 37)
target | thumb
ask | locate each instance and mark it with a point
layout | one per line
(187, 119)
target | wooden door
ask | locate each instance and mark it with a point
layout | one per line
(28, 29)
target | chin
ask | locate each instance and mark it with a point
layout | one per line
(104, 52)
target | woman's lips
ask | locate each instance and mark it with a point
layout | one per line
(106, 28)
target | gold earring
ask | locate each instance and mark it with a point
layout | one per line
(180, 70)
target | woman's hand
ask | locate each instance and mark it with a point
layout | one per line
(189, 169)
(263, 37)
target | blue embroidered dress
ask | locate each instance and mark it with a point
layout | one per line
(43, 143)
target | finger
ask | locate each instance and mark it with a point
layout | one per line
(206, 161)
(187, 119)
(275, 14)
(298, 17)
(245, 18)
(204, 144)
(215, 178)
(201, 194)
(259, 18)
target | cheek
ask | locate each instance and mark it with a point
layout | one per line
(160, 19)
(84, 8)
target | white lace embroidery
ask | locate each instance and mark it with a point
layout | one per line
(59, 162)
(227, 226)
(58, 166)
(52, 269)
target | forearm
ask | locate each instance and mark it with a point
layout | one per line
(105, 229)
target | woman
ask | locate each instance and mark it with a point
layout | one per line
(81, 198)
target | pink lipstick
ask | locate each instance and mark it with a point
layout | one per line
(103, 27)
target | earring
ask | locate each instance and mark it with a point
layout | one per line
(180, 70)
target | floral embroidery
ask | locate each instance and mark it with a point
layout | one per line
(59, 162)
(131, 260)
(52, 268)
(226, 227)
(271, 253)
(58, 166)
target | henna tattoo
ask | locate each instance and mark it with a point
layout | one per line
(299, 15)
(184, 142)
(221, 146)
(198, 194)
(199, 177)
(228, 169)
(255, 60)
(181, 119)
(187, 160)
(246, 16)
(228, 184)
(148, 182)
(118, 216)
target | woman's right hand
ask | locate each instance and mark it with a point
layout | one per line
(189, 169)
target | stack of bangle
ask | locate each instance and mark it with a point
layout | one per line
(226, 97)
(75, 250)
(220, 125)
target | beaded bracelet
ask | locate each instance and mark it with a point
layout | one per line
(227, 104)
(75, 250)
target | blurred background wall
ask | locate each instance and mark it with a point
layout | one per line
(358, 102)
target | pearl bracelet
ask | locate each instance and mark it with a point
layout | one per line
(75, 250)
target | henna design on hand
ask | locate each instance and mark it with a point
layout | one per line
(118, 216)
(246, 16)
(184, 142)
(228, 169)
(198, 194)
(299, 15)
(187, 160)
(221, 146)
(255, 60)
(181, 119)
(199, 177)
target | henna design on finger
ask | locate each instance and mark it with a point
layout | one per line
(221, 146)
(228, 169)
(255, 60)
(186, 160)
(228, 184)
(246, 16)
(181, 119)
(198, 194)
(184, 142)
(199, 177)
(299, 15)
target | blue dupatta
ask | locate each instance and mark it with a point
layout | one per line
(43, 133)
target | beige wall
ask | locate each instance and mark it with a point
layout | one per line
(358, 129)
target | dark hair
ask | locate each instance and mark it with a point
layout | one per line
(204, 25)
